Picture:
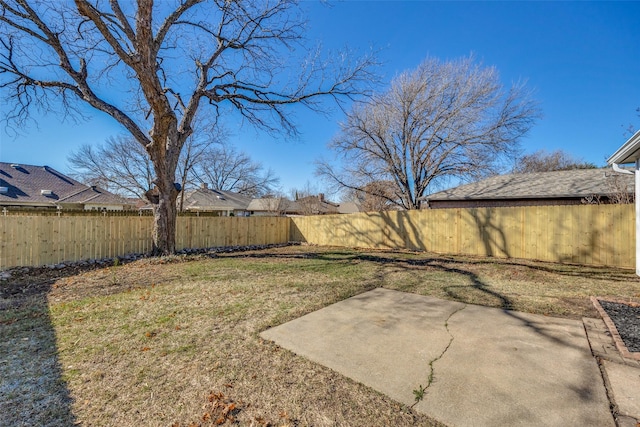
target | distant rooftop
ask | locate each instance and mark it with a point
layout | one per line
(31, 185)
(559, 184)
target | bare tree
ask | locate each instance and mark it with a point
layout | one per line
(375, 196)
(541, 161)
(619, 189)
(309, 200)
(440, 120)
(631, 129)
(151, 66)
(119, 165)
(122, 166)
(225, 168)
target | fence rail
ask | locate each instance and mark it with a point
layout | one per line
(583, 234)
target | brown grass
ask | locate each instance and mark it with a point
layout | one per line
(175, 341)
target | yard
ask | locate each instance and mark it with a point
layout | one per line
(174, 341)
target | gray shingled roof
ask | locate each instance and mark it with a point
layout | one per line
(30, 185)
(215, 200)
(273, 204)
(541, 185)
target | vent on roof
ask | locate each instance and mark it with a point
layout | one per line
(4, 190)
(15, 165)
(220, 197)
(46, 192)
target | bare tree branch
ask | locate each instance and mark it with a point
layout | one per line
(151, 66)
(440, 120)
(224, 168)
(541, 161)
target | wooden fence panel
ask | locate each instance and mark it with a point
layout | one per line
(587, 234)
(582, 234)
(50, 239)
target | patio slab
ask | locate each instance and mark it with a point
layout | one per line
(490, 366)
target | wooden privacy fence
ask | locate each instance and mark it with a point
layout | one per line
(582, 234)
(42, 240)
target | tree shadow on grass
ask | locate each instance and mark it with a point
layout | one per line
(33, 390)
(454, 292)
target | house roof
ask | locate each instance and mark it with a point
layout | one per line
(215, 200)
(44, 186)
(273, 204)
(348, 207)
(542, 185)
(317, 205)
(628, 153)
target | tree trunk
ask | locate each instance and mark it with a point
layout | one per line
(165, 195)
(164, 225)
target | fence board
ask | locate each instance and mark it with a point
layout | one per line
(583, 234)
(50, 239)
(588, 234)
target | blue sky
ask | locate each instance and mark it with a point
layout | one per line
(582, 59)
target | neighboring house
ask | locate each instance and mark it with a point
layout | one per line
(310, 205)
(316, 205)
(628, 153)
(273, 206)
(139, 203)
(225, 203)
(570, 187)
(42, 187)
(348, 208)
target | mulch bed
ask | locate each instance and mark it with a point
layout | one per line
(623, 320)
(627, 321)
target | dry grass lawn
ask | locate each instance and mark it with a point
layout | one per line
(174, 342)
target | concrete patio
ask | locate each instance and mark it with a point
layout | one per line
(488, 367)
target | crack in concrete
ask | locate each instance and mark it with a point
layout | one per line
(419, 393)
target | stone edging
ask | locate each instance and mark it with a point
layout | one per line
(617, 339)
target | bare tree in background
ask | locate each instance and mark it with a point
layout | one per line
(310, 200)
(542, 161)
(375, 197)
(152, 66)
(619, 189)
(120, 165)
(194, 153)
(225, 168)
(440, 120)
(631, 129)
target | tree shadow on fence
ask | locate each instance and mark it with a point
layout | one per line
(33, 390)
(490, 231)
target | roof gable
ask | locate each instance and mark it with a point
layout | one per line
(542, 185)
(44, 186)
(207, 199)
(273, 204)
